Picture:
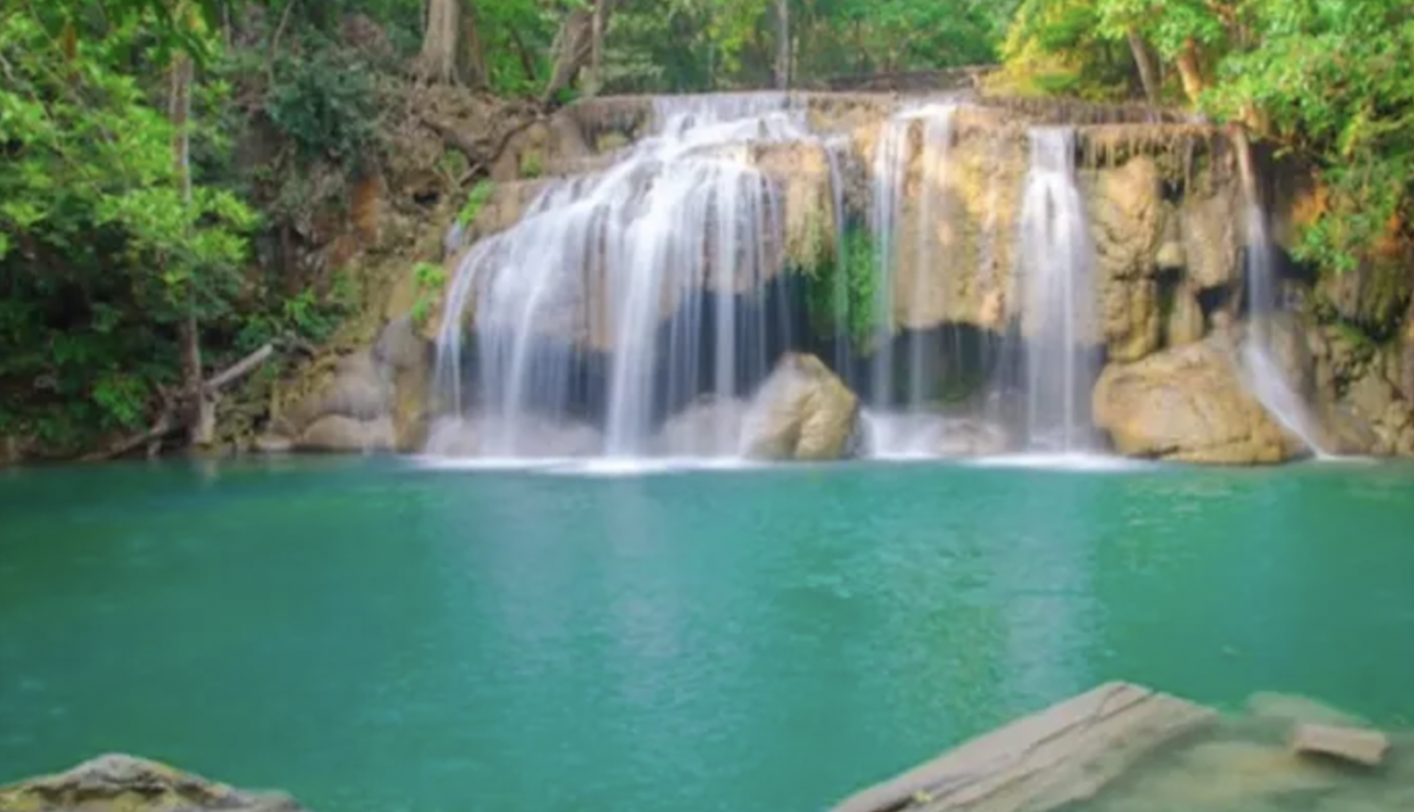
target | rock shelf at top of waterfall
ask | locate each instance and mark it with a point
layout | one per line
(965, 267)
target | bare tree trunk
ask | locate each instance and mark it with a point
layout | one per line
(595, 80)
(1190, 71)
(477, 77)
(782, 44)
(200, 417)
(571, 50)
(438, 60)
(1147, 66)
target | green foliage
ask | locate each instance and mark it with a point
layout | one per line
(841, 295)
(324, 103)
(532, 165)
(429, 280)
(103, 254)
(1326, 81)
(475, 201)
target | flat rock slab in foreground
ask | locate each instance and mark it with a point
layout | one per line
(119, 783)
(1366, 747)
(1063, 754)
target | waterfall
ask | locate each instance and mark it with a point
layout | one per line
(1266, 380)
(622, 294)
(893, 156)
(1056, 258)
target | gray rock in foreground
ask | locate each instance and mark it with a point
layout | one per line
(122, 783)
(1064, 754)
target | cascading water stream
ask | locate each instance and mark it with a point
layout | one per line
(1056, 256)
(1265, 378)
(662, 261)
(894, 425)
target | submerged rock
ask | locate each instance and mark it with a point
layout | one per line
(1367, 747)
(710, 426)
(1188, 404)
(487, 436)
(122, 783)
(802, 412)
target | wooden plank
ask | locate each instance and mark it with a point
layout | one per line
(1062, 754)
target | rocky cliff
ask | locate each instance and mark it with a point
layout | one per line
(1164, 204)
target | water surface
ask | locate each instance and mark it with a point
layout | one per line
(374, 635)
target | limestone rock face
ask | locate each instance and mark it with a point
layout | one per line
(373, 400)
(1212, 244)
(1127, 220)
(802, 412)
(801, 171)
(1188, 405)
(121, 783)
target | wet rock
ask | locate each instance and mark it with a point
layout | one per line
(1233, 774)
(1296, 709)
(1188, 405)
(407, 358)
(711, 426)
(1208, 225)
(801, 171)
(357, 390)
(121, 783)
(339, 433)
(1185, 318)
(1367, 747)
(273, 444)
(1127, 224)
(802, 412)
(1052, 760)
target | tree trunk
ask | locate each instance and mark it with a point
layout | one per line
(438, 60)
(477, 77)
(571, 49)
(782, 60)
(596, 52)
(200, 416)
(1190, 71)
(1147, 66)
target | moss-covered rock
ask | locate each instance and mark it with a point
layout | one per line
(121, 783)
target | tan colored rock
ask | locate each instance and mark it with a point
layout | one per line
(1212, 243)
(1052, 760)
(120, 783)
(802, 412)
(407, 358)
(1185, 319)
(1222, 774)
(341, 434)
(1188, 405)
(1367, 747)
(801, 172)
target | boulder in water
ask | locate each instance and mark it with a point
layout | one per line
(1367, 747)
(802, 412)
(1188, 404)
(121, 783)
